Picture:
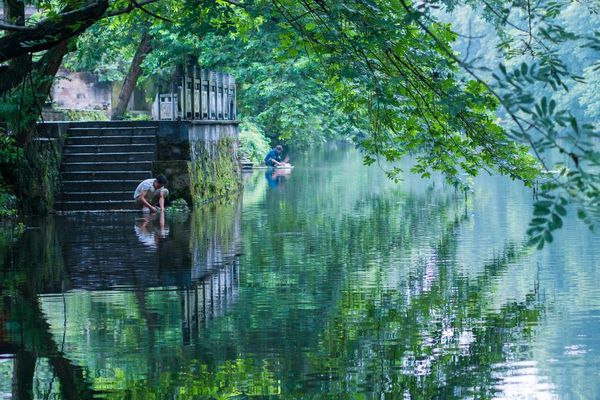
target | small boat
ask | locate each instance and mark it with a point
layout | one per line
(265, 167)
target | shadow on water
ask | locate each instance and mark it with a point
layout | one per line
(347, 286)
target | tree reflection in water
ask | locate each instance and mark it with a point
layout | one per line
(342, 293)
(43, 332)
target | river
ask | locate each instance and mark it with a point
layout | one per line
(327, 281)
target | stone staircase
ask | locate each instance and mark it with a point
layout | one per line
(102, 166)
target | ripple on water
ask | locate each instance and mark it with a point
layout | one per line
(348, 285)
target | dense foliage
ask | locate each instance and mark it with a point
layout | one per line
(253, 144)
(285, 99)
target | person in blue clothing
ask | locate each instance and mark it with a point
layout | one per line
(273, 157)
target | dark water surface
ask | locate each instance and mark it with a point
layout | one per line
(330, 281)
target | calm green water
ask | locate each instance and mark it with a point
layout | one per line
(330, 281)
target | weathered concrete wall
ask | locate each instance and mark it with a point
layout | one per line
(173, 158)
(40, 177)
(199, 158)
(214, 167)
(81, 91)
(80, 96)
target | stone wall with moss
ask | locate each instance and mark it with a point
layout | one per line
(214, 166)
(39, 175)
(200, 159)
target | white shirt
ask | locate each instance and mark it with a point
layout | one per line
(144, 186)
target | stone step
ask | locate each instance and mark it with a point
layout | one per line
(107, 166)
(97, 196)
(108, 157)
(103, 164)
(109, 148)
(105, 175)
(98, 185)
(104, 205)
(102, 140)
(112, 131)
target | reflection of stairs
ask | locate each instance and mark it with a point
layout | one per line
(104, 250)
(102, 166)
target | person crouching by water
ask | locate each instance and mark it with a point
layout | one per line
(273, 158)
(151, 192)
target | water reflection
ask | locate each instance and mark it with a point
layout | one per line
(150, 229)
(348, 286)
(276, 176)
(83, 295)
(26, 335)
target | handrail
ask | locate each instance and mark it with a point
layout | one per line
(199, 94)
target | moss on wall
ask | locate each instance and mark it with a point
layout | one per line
(86, 115)
(177, 172)
(39, 176)
(214, 169)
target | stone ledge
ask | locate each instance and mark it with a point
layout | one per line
(214, 122)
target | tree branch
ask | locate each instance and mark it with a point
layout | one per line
(138, 5)
(13, 28)
(51, 31)
(129, 8)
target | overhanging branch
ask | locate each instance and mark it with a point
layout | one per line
(132, 6)
(12, 28)
(50, 31)
(140, 6)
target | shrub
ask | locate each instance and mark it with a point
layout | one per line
(253, 142)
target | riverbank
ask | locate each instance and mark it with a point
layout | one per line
(199, 159)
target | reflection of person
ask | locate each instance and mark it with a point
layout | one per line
(275, 176)
(151, 192)
(147, 231)
(273, 158)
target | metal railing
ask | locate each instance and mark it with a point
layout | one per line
(198, 94)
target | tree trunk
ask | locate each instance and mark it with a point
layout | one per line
(50, 63)
(23, 372)
(14, 12)
(13, 74)
(130, 81)
(46, 67)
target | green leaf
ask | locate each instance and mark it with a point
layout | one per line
(524, 69)
(544, 105)
(557, 221)
(541, 211)
(534, 230)
(538, 221)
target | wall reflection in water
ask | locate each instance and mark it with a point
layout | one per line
(215, 248)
